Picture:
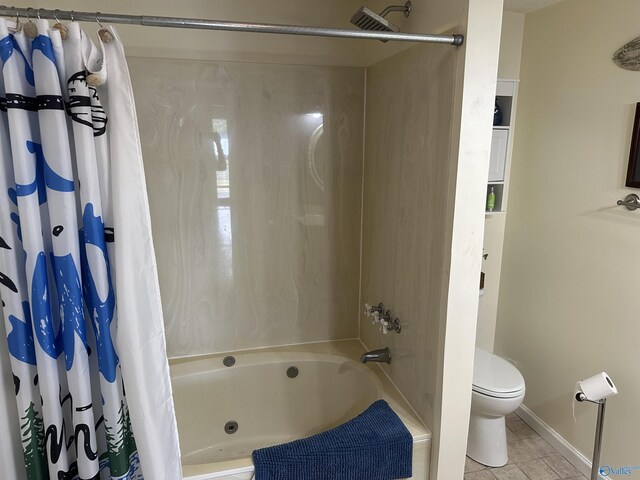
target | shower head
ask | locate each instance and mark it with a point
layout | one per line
(367, 19)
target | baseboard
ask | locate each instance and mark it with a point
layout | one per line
(564, 448)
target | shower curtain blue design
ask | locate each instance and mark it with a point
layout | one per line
(56, 278)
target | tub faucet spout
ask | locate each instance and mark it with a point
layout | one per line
(381, 355)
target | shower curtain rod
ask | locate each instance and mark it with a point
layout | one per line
(204, 24)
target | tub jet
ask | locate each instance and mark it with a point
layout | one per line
(231, 427)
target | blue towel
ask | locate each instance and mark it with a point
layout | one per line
(373, 446)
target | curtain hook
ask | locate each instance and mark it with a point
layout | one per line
(104, 34)
(64, 31)
(72, 16)
(30, 28)
(38, 13)
(17, 18)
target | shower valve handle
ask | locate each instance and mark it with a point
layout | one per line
(388, 323)
(373, 311)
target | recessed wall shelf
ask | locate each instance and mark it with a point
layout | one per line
(495, 221)
(501, 140)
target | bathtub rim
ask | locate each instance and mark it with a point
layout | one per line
(239, 466)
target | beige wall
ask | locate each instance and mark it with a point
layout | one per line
(511, 45)
(265, 249)
(569, 301)
(428, 16)
(209, 45)
(488, 307)
(508, 68)
(406, 148)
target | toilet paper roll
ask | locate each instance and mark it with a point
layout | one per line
(598, 387)
(594, 388)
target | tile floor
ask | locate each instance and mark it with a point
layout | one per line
(530, 458)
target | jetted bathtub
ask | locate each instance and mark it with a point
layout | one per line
(276, 395)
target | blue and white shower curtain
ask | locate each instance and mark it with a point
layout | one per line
(89, 369)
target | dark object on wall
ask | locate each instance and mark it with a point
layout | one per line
(497, 115)
(633, 170)
(628, 56)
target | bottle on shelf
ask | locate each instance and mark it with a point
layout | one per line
(491, 200)
(497, 114)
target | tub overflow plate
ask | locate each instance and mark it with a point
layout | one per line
(292, 372)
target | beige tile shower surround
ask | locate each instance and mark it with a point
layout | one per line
(408, 118)
(274, 258)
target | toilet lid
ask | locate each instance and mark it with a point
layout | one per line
(494, 376)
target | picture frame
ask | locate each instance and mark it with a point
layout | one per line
(633, 169)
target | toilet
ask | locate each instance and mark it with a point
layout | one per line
(498, 389)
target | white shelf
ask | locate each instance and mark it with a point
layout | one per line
(495, 212)
(501, 144)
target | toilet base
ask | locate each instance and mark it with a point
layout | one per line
(487, 442)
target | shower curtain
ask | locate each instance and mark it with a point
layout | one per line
(78, 278)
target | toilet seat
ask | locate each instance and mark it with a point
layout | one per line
(495, 377)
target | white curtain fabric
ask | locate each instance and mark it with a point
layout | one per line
(141, 344)
(11, 462)
(77, 265)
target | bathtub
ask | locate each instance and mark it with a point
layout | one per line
(276, 395)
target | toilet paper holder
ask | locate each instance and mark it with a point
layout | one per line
(597, 443)
(581, 397)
